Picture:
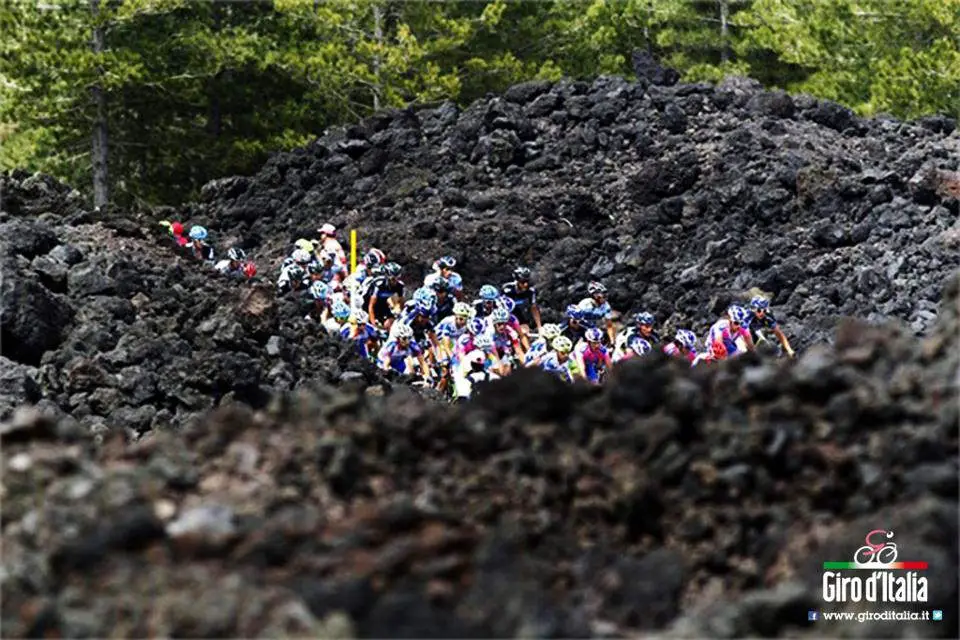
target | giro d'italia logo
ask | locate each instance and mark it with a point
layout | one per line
(885, 583)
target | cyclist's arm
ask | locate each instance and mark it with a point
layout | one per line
(782, 337)
(535, 312)
(372, 303)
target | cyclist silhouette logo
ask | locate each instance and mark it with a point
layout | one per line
(877, 550)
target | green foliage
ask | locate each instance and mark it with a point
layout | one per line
(197, 89)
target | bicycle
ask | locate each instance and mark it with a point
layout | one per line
(876, 552)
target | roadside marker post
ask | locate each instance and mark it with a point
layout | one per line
(353, 250)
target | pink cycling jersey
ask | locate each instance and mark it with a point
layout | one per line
(721, 331)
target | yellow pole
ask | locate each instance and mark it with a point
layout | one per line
(353, 250)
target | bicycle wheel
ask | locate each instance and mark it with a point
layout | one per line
(864, 555)
(888, 554)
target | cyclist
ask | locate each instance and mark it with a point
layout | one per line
(591, 356)
(506, 341)
(762, 318)
(443, 302)
(318, 301)
(524, 296)
(364, 335)
(198, 244)
(473, 371)
(574, 328)
(599, 313)
(731, 328)
(443, 268)
(487, 300)
(249, 269)
(292, 278)
(232, 266)
(542, 345)
(636, 347)
(328, 244)
(683, 345)
(339, 314)
(559, 362)
(303, 243)
(401, 351)
(385, 295)
(176, 231)
(419, 318)
(476, 328)
(508, 305)
(715, 352)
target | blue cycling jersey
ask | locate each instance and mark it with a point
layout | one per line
(396, 356)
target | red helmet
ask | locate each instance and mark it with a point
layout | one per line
(249, 269)
(176, 228)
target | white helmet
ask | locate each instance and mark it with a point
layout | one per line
(328, 230)
(549, 331)
(476, 357)
(402, 331)
(301, 256)
(359, 316)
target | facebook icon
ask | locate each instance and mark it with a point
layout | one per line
(811, 615)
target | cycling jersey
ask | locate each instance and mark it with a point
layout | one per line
(285, 283)
(332, 325)
(453, 280)
(484, 307)
(721, 331)
(204, 251)
(360, 336)
(565, 370)
(381, 289)
(594, 360)
(394, 356)
(443, 308)
(624, 336)
(225, 267)
(538, 349)
(524, 300)
(327, 274)
(594, 313)
(768, 321)
(505, 341)
(466, 379)
(331, 244)
(672, 350)
(447, 328)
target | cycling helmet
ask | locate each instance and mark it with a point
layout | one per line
(376, 270)
(359, 316)
(236, 253)
(489, 292)
(176, 229)
(327, 230)
(392, 269)
(686, 339)
(402, 331)
(463, 310)
(521, 273)
(341, 311)
(295, 272)
(593, 335)
(425, 295)
(507, 303)
(483, 341)
(318, 290)
(499, 316)
(374, 256)
(422, 308)
(476, 357)
(447, 262)
(198, 233)
(574, 312)
(440, 284)
(562, 344)
(759, 303)
(645, 318)
(640, 346)
(249, 269)
(303, 243)
(477, 326)
(738, 314)
(301, 257)
(595, 288)
(549, 331)
(314, 267)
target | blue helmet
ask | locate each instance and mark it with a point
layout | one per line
(759, 303)
(425, 295)
(477, 326)
(422, 308)
(593, 335)
(499, 316)
(738, 314)
(645, 318)
(508, 303)
(341, 311)
(686, 339)
(198, 233)
(318, 290)
(489, 292)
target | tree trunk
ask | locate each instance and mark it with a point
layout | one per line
(101, 185)
(378, 36)
(215, 118)
(724, 35)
